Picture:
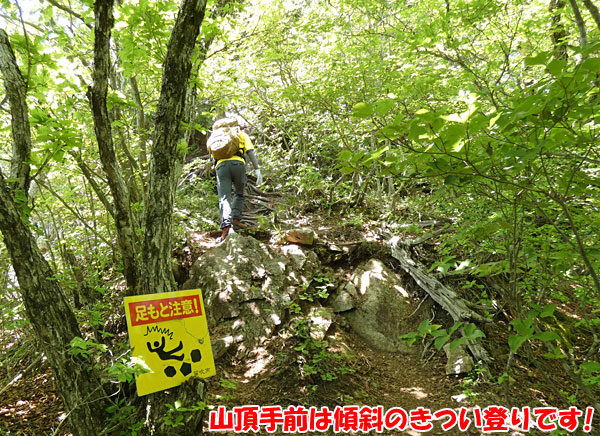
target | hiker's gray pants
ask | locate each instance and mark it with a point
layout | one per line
(231, 175)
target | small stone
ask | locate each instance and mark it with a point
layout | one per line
(344, 300)
(321, 319)
(304, 236)
(295, 253)
(459, 398)
(459, 361)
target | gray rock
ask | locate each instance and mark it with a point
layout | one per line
(459, 360)
(345, 298)
(295, 253)
(381, 306)
(245, 288)
(304, 236)
(321, 319)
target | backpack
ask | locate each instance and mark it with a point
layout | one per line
(224, 141)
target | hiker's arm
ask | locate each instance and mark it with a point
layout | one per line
(252, 155)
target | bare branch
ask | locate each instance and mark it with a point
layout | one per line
(70, 12)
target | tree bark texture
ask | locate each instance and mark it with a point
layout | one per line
(157, 275)
(559, 33)
(580, 22)
(103, 10)
(16, 91)
(593, 9)
(53, 321)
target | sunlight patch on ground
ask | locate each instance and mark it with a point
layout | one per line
(263, 358)
(416, 392)
(401, 290)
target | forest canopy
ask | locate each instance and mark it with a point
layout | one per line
(481, 113)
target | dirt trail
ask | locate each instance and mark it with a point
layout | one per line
(269, 375)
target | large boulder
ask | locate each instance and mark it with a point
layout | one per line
(245, 287)
(381, 306)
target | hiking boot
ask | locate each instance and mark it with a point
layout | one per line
(238, 225)
(223, 234)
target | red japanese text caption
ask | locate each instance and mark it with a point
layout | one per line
(164, 309)
(299, 419)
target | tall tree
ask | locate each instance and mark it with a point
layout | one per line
(47, 308)
(593, 9)
(154, 272)
(103, 10)
(16, 90)
(579, 21)
(157, 275)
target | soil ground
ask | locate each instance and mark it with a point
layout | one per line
(30, 406)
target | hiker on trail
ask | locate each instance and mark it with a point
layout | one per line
(228, 146)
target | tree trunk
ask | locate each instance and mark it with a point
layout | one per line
(124, 223)
(593, 9)
(157, 275)
(580, 22)
(165, 161)
(47, 309)
(16, 90)
(559, 33)
(53, 322)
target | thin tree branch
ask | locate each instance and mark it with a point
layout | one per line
(26, 36)
(97, 95)
(580, 23)
(75, 213)
(70, 12)
(591, 7)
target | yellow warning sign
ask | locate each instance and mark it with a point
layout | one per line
(169, 336)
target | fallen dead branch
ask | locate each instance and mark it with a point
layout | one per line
(449, 300)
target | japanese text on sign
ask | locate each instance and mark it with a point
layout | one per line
(299, 419)
(164, 309)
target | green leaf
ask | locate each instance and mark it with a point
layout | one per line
(384, 106)
(472, 332)
(515, 342)
(523, 327)
(456, 343)
(494, 119)
(59, 156)
(556, 354)
(78, 342)
(547, 336)
(455, 327)
(590, 367)
(344, 155)
(362, 110)
(539, 59)
(410, 338)
(451, 179)
(439, 342)
(376, 154)
(453, 136)
(556, 67)
(425, 114)
(547, 311)
(591, 64)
